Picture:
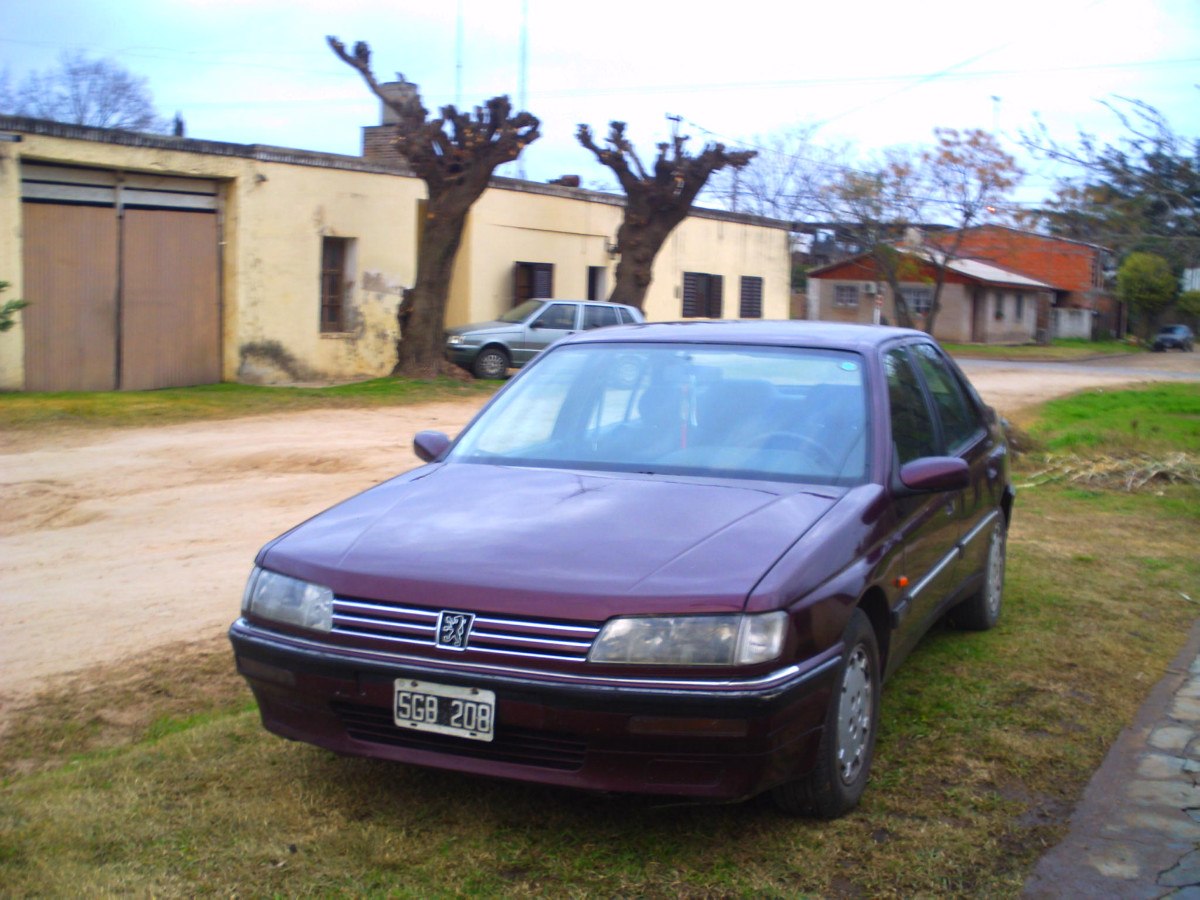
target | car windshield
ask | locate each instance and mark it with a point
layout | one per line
(520, 313)
(776, 413)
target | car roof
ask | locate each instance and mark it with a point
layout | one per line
(784, 333)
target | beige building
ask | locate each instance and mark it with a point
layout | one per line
(979, 302)
(154, 261)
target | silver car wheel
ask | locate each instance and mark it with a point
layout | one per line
(854, 715)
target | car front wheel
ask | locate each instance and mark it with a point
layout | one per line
(834, 787)
(492, 362)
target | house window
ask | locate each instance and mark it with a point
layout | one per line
(335, 255)
(750, 302)
(919, 299)
(596, 282)
(532, 280)
(1019, 313)
(702, 295)
(999, 301)
(845, 295)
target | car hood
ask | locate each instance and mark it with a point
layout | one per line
(485, 327)
(575, 545)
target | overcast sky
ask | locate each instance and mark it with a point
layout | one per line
(874, 73)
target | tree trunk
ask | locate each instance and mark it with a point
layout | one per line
(420, 350)
(635, 271)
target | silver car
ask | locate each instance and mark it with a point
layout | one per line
(489, 349)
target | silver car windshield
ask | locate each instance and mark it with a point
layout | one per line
(714, 410)
(522, 312)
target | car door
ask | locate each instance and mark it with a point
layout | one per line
(929, 522)
(966, 435)
(556, 320)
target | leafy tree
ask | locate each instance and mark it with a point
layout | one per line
(84, 90)
(9, 309)
(1146, 283)
(1189, 304)
(655, 201)
(455, 155)
(1140, 193)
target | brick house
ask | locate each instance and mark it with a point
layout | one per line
(1074, 269)
(979, 303)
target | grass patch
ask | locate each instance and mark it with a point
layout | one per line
(223, 401)
(1160, 418)
(156, 777)
(1060, 350)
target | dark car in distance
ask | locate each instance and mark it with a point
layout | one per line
(675, 559)
(490, 349)
(1173, 337)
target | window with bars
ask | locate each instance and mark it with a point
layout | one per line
(750, 297)
(335, 282)
(702, 295)
(532, 280)
(845, 295)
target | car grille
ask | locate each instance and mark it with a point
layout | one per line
(512, 745)
(386, 626)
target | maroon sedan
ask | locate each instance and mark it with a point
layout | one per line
(673, 559)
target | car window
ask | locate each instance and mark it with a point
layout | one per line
(626, 316)
(913, 431)
(599, 316)
(560, 317)
(776, 413)
(960, 421)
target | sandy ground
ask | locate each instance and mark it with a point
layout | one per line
(115, 542)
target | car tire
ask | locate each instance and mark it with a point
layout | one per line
(492, 362)
(981, 611)
(847, 745)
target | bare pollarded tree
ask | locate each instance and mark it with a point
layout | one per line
(655, 201)
(455, 155)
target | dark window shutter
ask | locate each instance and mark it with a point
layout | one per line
(716, 296)
(691, 295)
(750, 306)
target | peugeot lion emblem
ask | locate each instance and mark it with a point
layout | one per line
(454, 629)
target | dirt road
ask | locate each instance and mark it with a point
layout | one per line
(113, 542)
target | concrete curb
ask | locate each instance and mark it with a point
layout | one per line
(1136, 832)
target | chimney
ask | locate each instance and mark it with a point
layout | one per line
(401, 92)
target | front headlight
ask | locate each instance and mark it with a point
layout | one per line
(740, 640)
(453, 339)
(288, 600)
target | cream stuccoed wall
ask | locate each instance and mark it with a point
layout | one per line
(276, 205)
(274, 211)
(12, 342)
(573, 230)
(730, 247)
(278, 217)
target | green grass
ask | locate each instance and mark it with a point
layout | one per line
(1160, 418)
(221, 401)
(1060, 350)
(155, 777)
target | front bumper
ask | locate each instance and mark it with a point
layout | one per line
(718, 740)
(462, 354)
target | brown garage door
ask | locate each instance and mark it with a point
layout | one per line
(71, 286)
(169, 310)
(121, 275)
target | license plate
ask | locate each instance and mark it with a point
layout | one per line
(464, 712)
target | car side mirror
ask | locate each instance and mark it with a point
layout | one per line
(429, 445)
(935, 473)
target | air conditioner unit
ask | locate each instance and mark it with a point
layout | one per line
(869, 288)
